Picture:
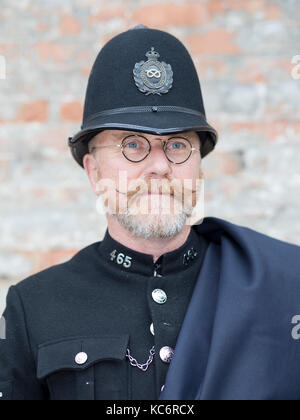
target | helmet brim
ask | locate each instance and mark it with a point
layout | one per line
(160, 123)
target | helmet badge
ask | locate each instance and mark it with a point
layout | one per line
(153, 76)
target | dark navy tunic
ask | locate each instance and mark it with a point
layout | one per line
(70, 327)
(235, 328)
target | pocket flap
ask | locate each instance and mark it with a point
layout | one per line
(5, 391)
(60, 355)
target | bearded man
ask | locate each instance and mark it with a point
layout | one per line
(170, 305)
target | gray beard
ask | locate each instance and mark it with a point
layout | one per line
(152, 226)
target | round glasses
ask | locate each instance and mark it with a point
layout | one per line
(136, 148)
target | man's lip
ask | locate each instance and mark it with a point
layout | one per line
(154, 193)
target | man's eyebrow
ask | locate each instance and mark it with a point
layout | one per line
(121, 134)
(130, 133)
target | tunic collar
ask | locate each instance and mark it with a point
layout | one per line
(128, 260)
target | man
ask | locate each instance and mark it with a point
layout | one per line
(163, 307)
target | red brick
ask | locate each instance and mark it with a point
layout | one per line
(269, 130)
(231, 164)
(270, 10)
(273, 12)
(3, 49)
(42, 27)
(110, 36)
(217, 41)
(223, 164)
(284, 64)
(42, 260)
(221, 6)
(69, 25)
(40, 192)
(251, 72)
(85, 71)
(71, 111)
(162, 15)
(53, 136)
(35, 111)
(108, 13)
(211, 67)
(86, 57)
(59, 256)
(10, 50)
(51, 51)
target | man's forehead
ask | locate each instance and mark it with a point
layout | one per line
(117, 135)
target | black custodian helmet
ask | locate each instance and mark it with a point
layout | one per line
(143, 80)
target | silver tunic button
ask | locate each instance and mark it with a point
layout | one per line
(166, 354)
(162, 388)
(159, 296)
(152, 328)
(81, 358)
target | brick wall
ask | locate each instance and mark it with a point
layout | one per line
(246, 55)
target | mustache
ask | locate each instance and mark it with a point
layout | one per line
(152, 190)
(161, 191)
(173, 187)
(168, 189)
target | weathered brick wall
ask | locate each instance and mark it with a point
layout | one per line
(246, 54)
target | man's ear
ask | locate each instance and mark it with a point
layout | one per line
(92, 170)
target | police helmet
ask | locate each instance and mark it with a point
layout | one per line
(143, 80)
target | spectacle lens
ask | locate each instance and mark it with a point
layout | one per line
(135, 148)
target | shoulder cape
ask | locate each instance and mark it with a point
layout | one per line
(239, 340)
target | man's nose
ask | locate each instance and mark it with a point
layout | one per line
(157, 159)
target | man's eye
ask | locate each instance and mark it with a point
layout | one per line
(132, 145)
(135, 144)
(177, 146)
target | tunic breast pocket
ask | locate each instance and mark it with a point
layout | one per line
(85, 368)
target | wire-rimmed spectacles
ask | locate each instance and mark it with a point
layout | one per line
(136, 148)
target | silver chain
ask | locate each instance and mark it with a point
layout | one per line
(143, 366)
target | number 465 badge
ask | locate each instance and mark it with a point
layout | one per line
(120, 258)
